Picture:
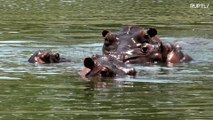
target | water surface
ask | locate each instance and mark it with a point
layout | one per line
(73, 28)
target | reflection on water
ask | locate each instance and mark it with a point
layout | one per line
(73, 28)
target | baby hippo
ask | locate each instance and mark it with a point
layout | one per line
(105, 67)
(45, 57)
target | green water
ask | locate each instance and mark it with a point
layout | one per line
(73, 28)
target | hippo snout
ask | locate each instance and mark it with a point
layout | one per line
(106, 72)
(45, 57)
(129, 71)
(132, 72)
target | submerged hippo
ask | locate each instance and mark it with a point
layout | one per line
(105, 66)
(139, 46)
(45, 57)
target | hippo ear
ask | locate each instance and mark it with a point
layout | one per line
(89, 63)
(152, 32)
(104, 33)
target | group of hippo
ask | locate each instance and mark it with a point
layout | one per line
(131, 45)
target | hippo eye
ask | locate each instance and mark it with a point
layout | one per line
(57, 56)
(106, 72)
(143, 39)
(106, 39)
(110, 38)
(144, 49)
(46, 58)
(146, 37)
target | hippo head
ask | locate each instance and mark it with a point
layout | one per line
(146, 36)
(128, 38)
(98, 70)
(105, 67)
(138, 46)
(111, 42)
(155, 53)
(174, 54)
(44, 57)
(145, 53)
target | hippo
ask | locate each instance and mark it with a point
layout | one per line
(145, 54)
(163, 52)
(136, 45)
(45, 57)
(128, 38)
(172, 53)
(105, 66)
